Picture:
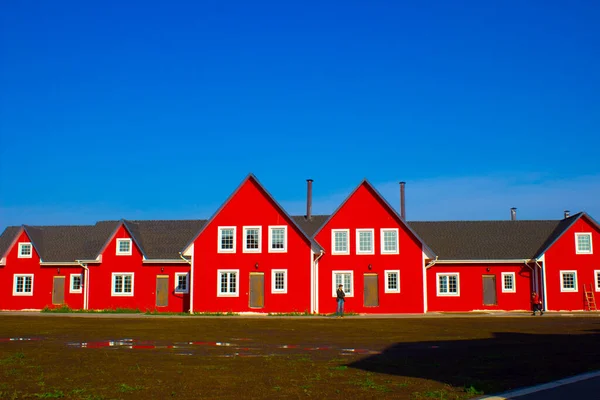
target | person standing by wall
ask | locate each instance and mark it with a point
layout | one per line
(340, 301)
(536, 303)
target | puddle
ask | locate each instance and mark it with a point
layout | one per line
(20, 339)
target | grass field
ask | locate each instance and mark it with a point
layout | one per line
(53, 356)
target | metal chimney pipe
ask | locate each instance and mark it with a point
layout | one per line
(513, 214)
(402, 207)
(567, 214)
(309, 198)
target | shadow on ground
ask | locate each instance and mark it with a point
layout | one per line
(503, 362)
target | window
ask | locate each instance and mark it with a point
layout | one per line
(182, 282)
(252, 239)
(345, 278)
(122, 284)
(24, 250)
(226, 239)
(583, 243)
(447, 284)
(508, 282)
(123, 247)
(76, 283)
(228, 283)
(392, 281)
(389, 241)
(279, 281)
(23, 285)
(364, 241)
(597, 280)
(277, 239)
(568, 281)
(339, 241)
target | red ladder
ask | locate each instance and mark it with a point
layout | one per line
(590, 300)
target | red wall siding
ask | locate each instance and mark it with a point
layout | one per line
(364, 209)
(471, 288)
(562, 256)
(42, 281)
(250, 206)
(144, 290)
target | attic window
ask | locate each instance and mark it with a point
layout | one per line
(24, 250)
(583, 243)
(123, 247)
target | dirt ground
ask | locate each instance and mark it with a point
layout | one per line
(236, 357)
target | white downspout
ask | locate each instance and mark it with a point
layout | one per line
(316, 282)
(191, 288)
(425, 298)
(86, 285)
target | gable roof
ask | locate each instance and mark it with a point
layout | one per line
(7, 238)
(430, 253)
(251, 177)
(561, 228)
(486, 240)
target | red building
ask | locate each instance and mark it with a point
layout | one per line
(252, 256)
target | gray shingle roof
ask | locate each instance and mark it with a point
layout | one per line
(7, 238)
(164, 239)
(487, 240)
(312, 225)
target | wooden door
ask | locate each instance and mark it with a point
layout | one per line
(489, 290)
(257, 290)
(58, 290)
(162, 290)
(371, 292)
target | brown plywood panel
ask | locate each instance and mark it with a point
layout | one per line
(58, 290)
(489, 290)
(371, 292)
(257, 290)
(162, 291)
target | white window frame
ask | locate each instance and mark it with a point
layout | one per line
(386, 274)
(358, 232)
(575, 281)
(245, 241)
(112, 284)
(437, 284)
(21, 246)
(237, 282)
(285, 238)
(71, 281)
(274, 290)
(123, 253)
(596, 280)
(187, 282)
(23, 293)
(579, 234)
(333, 251)
(514, 282)
(220, 237)
(334, 285)
(381, 239)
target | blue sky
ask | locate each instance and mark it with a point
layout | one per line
(157, 110)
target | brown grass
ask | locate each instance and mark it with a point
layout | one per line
(428, 358)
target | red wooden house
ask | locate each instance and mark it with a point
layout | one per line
(252, 257)
(373, 253)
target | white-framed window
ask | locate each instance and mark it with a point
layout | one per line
(448, 284)
(25, 250)
(76, 283)
(228, 284)
(123, 247)
(122, 284)
(252, 235)
(392, 281)
(389, 241)
(597, 280)
(345, 278)
(182, 282)
(568, 281)
(340, 241)
(508, 282)
(226, 241)
(583, 243)
(364, 241)
(279, 281)
(278, 239)
(23, 285)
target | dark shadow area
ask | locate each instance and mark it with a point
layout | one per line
(504, 362)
